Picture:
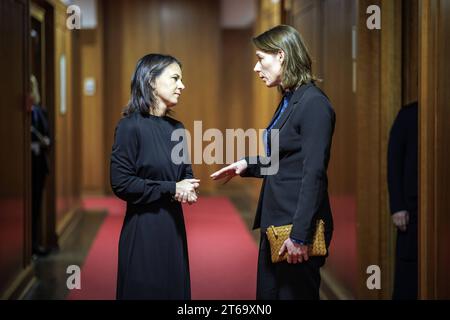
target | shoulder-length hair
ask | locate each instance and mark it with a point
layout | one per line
(297, 68)
(148, 68)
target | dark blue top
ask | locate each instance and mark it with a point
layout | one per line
(285, 102)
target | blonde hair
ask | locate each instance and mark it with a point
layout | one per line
(297, 62)
(35, 96)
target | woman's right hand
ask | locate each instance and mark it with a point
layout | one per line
(401, 220)
(186, 190)
(230, 171)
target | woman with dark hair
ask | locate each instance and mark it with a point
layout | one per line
(296, 193)
(153, 257)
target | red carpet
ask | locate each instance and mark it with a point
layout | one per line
(222, 253)
(98, 274)
(343, 250)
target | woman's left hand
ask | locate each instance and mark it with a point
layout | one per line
(190, 197)
(297, 253)
(186, 191)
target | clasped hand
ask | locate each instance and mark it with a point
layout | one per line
(296, 252)
(186, 191)
(401, 220)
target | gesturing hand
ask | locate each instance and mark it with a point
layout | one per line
(230, 171)
(296, 252)
(186, 191)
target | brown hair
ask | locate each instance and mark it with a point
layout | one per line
(297, 61)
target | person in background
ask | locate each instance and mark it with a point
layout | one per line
(403, 190)
(40, 144)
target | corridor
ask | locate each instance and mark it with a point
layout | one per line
(69, 67)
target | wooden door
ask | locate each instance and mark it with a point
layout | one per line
(15, 182)
(434, 155)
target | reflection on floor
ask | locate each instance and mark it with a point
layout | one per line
(51, 270)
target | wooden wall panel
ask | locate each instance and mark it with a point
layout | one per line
(61, 190)
(379, 99)
(410, 52)
(238, 60)
(15, 169)
(391, 102)
(443, 154)
(427, 146)
(92, 108)
(48, 219)
(76, 88)
(66, 159)
(237, 75)
(337, 82)
(368, 142)
(434, 223)
(190, 31)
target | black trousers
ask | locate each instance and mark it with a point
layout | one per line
(406, 266)
(38, 177)
(284, 281)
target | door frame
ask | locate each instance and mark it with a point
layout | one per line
(46, 11)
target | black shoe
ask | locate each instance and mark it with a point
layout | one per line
(40, 252)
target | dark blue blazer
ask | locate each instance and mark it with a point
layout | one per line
(298, 192)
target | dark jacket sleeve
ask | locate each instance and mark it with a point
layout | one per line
(254, 166)
(315, 121)
(396, 155)
(123, 172)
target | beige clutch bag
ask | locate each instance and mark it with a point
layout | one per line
(277, 236)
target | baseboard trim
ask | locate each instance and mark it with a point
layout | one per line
(331, 289)
(21, 284)
(69, 223)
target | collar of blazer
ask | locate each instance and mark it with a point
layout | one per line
(298, 94)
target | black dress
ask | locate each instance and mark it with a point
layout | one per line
(153, 257)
